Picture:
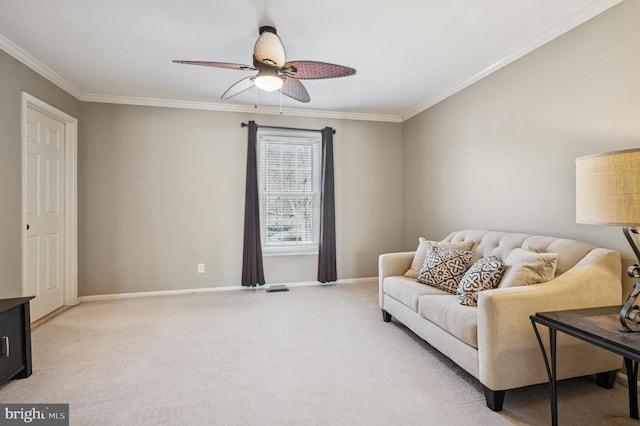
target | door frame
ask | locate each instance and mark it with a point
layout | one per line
(70, 250)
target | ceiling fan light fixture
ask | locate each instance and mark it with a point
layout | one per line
(268, 80)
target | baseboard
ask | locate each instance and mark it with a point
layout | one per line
(100, 297)
(49, 316)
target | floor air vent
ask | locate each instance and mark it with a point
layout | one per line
(279, 287)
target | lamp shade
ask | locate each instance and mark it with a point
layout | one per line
(608, 188)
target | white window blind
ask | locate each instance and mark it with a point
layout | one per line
(289, 190)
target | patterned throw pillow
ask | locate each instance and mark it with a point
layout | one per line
(443, 268)
(418, 257)
(482, 275)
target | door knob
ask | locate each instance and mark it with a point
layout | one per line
(27, 226)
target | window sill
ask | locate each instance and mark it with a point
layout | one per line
(290, 251)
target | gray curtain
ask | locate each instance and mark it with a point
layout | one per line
(327, 253)
(252, 270)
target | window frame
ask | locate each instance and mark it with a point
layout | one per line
(294, 137)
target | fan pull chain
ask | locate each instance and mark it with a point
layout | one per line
(280, 102)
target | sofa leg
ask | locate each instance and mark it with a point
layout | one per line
(495, 399)
(606, 379)
(386, 316)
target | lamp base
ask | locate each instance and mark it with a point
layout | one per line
(630, 311)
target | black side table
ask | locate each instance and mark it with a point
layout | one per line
(598, 326)
(15, 339)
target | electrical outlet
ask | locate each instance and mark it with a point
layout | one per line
(201, 268)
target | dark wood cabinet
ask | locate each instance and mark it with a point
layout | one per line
(15, 339)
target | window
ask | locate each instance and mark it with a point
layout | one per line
(289, 191)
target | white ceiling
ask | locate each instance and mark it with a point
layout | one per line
(409, 54)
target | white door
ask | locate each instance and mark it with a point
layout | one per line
(45, 203)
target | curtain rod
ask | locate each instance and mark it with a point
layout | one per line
(285, 128)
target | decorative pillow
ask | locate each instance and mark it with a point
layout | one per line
(482, 275)
(443, 268)
(525, 267)
(418, 258)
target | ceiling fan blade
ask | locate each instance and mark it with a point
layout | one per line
(312, 70)
(239, 87)
(295, 90)
(219, 65)
(269, 49)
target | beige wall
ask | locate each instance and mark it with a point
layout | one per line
(163, 189)
(160, 190)
(500, 154)
(14, 78)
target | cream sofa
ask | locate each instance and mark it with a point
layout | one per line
(495, 341)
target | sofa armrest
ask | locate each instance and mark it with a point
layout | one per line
(506, 341)
(390, 265)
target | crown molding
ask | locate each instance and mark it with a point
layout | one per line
(247, 109)
(593, 9)
(31, 62)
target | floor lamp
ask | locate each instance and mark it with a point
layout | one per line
(608, 193)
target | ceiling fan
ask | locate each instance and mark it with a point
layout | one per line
(273, 72)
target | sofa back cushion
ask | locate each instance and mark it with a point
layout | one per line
(501, 244)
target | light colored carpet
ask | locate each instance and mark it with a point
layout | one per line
(310, 356)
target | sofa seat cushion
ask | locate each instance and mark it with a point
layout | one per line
(447, 313)
(407, 291)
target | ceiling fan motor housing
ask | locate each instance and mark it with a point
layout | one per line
(268, 49)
